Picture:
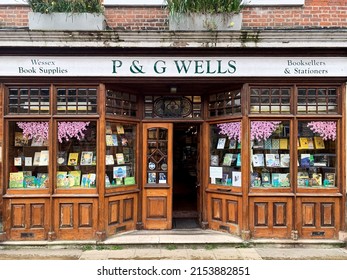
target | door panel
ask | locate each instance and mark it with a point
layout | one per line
(157, 176)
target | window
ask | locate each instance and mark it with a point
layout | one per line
(28, 155)
(173, 107)
(120, 154)
(28, 100)
(316, 154)
(121, 104)
(225, 154)
(225, 103)
(270, 154)
(274, 100)
(76, 100)
(76, 155)
(320, 100)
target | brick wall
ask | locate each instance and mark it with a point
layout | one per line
(315, 14)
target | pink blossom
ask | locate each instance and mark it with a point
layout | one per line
(231, 129)
(325, 129)
(68, 130)
(37, 130)
(262, 130)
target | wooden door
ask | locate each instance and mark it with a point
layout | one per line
(157, 176)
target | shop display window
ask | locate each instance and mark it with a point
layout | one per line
(157, 156)
(316, 146)
(28, 155)
(120, 154)
(270, 154)
(225, 154)
(76, 154)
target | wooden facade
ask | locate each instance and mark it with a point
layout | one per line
(144, 202)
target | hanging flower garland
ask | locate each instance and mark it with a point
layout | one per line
(327, 130)
(232, 130)
(67, 130)
(36, 130)
(262, 130)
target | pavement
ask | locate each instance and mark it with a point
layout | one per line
(175, 245)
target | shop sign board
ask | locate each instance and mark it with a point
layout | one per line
(117, 66)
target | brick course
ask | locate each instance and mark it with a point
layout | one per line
(315, 14)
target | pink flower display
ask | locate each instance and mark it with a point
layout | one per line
(67, 130)
(262, 130)
(231, 129)
(37, 130)
(325, 129)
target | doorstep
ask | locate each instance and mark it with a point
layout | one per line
(179, 238)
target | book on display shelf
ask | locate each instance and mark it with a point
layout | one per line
(28, 161)
(221, 143)
(44, 158)
(109, 160)
(73, 159)
(258, 160)
(319, 142)
(16, 180)
(86, 158)
(18, 161)
(37, 156)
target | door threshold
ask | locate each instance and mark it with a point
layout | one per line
(185, 214)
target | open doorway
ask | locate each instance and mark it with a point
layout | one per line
(185, 175)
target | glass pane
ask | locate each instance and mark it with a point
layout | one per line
(270, 154)
(76, 155)
(157, 149)
(120, 154)
(316, 154)
(225, 154)
(28, 155)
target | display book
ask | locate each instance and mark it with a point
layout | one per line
(119, 159)
(225, 162)
(316, 165)
(25, 179)
(270, 162)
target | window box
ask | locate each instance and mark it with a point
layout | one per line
(67, 21)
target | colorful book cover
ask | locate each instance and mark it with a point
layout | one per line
(214, 160)
(119, 171)
(306, 160)
(329, 180)
(284, 160)
(16, 180)
(30, 182)
(120, 129)
(317, 179)
(28, 161)
(62, 158)
(17, 161)
(62, 179)
(107, 181)
(236, 178)
(108, 129)
(114, 140)
(284, 180)
(44, 158)
(73, 159)
(36, 161)
(74, 178)
(131, 180)
(267, 144)
(109, 140)
(86, 158)
(19, 139)
(120, 158)
(124, 141)
(275, 180)
(304, 142)
(85, 180)
(232, 144)
(258, 160)
(272, 160)
(319, 142)
(227, 160)
(162, 178)
(109, 160)
(265, 179)
(37, 142)
(258, 144)
(152, 178)
(221, 143)
(275, 144)
(238, 160)
(284, 144)
(43, 180)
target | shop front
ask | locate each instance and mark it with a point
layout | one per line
(94, 146)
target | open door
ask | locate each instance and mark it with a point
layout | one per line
(157, 176)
